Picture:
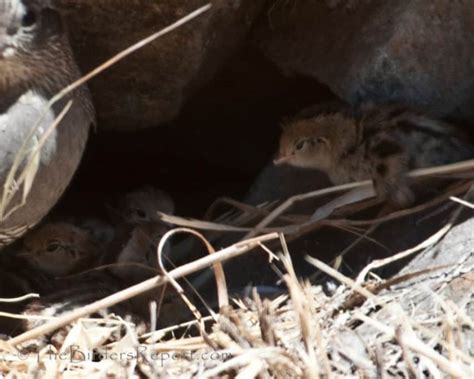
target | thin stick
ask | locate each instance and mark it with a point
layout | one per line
(351, 197)
(11, 184)
(337, 262)
(224, 254)
(406, 212)
(21, 298)
(198, 224)
(461, 201)
(218, 270)
(432, 171)
(343, 279)
(124, 53)
(261, 210)
(151, 336)
(177, 286)
(383, 262)
(292, 200)
(47, 318)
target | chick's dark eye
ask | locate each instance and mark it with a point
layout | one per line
(140, 213)
(321, 140)
(299, 145)
(29, 19)
(52, 247)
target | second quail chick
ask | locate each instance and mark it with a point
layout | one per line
(143, 204)
(102, 231)
(138, 233)
(60, 249)
(134, 251)
(381, 144)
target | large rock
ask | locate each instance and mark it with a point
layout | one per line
(416, 52)
(282, 182)
(149, 87)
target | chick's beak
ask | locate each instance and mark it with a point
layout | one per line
(3, 39)
(5, 42)
(280, 159)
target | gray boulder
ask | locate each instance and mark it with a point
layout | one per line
(416, 52)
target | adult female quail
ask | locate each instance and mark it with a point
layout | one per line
(36, 62)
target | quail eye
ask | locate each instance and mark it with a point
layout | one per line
(321, 140)
(52, 247)
(29, 19)
(140, 213)
(299, 145)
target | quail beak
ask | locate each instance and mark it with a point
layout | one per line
(6, 48)
(3, 46)
(280, 159)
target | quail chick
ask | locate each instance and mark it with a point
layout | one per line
(60, 249)
(136, 259)
(143, 205)
(36, 264)
(381, 144)
(138, 233)
(134, 250)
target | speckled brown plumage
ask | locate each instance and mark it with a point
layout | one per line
(36, 62)
(60, 249)
(382, 144)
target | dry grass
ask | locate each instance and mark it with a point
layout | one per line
(304, 334)
(363, 328)
(366, 327)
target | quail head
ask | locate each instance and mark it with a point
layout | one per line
(60, 249)
(143, 205)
